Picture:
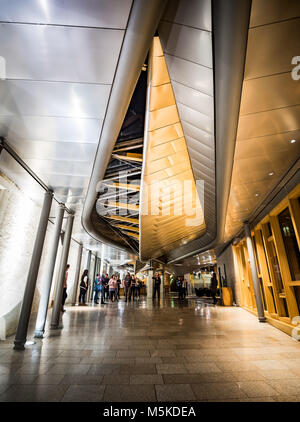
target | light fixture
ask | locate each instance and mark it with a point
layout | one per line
(292, 141)
(257, 194)
(271, 173)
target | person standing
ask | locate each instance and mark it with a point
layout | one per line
(83, 287)
(132, 288)
(119, 285)
(64, 295)
(156, 286)
(179, 287)
(213, 287)
(137, 288)
(113, 286)
(97, 287)
(127, 283)
(106, 288)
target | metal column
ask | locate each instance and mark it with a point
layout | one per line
(21, 334)
(46, 286)
(88, 266)
(256, 286)
(77, 275)
(61, 275)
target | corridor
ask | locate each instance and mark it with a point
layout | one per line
(148, 352)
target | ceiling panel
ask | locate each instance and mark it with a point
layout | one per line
(55, 150)
(50, 128)
(41, 98)
(197, 14)
(58, 53)
(187, 43)
(188, 53)
(192, 131)
(93, 13)
(190, 74)
(268, 142)
(268, 11)
(167, 217)
(269, 122)
(273, 47)
(275, 91)
(200, 120)
(198, 101)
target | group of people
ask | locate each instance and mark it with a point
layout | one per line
(108, 287)
(181, 287)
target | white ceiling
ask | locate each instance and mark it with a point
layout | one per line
(61, 58)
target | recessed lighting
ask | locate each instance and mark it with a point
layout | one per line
(292, 141)
(271, 173)
(257, 194)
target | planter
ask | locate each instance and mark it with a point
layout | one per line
(227, 296)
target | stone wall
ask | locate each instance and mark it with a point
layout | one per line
(227, 259)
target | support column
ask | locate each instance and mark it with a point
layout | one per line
(61, 275)
(150, 282)
(77, 275)
(88, 266)
(21, 334)
(46, 286)
(256, 286)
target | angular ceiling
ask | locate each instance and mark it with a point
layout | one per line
(268, 137)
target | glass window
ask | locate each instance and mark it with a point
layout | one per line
(290, 243)
(255, 252)
(275, 266)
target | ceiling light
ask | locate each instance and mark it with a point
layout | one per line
(271, 173)
(292, 141)
(257, 194)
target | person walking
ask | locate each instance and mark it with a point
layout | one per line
(127, 283)
(137, 288)
(156, 286)
(64, 295)
(132, 288)
(213, 287)
(83, 287)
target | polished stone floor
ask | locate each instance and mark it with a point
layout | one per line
(168, 351)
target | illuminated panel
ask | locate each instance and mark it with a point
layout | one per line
(171, 213)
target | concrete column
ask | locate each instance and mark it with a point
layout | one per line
(88, 266)
(77, 275)
(256, 286)
(46, 286)
(61, 275)
(150, 282)
(21, 335)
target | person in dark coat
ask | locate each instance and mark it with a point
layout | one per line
(213, 287)
(127, 283)
(156, 286)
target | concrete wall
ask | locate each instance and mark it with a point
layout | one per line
(19, 217)
(227, 258)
